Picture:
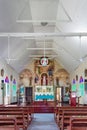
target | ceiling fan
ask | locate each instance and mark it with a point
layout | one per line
(84, 56)
(81, 59)
(8, 59)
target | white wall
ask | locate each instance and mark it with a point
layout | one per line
(7, 72)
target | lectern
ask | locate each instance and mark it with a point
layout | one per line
(73, 98)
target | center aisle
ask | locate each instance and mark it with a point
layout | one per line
(43, 122)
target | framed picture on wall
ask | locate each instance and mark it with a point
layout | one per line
(2, 72)
(11, 77)
(85, 72)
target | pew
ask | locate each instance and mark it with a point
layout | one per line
(59, 111)
(18, 115)
(28, 111)
(67, 114)
(23, 114)
(8, 123)
(78, 123)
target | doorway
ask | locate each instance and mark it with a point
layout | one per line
(29, 95)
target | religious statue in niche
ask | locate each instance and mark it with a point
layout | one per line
(2, 72)
(44, 79)
(50, 71)
(51, 68)
(36, 78)
(50, 80)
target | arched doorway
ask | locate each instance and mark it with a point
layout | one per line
(44, 79)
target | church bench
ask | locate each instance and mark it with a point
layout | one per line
(66, 117)
(8, 123)
(19, 115)
(28, 111)
(70, 109)
(59, 111)
(77, 123)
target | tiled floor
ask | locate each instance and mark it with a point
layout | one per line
(43, 122)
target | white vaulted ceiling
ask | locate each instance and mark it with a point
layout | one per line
(25, 25)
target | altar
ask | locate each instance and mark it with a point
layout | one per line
(44, 93)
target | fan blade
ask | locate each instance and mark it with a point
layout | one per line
(84, 56)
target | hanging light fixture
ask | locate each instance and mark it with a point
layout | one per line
(44, 60)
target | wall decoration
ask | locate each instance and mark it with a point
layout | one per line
(11, 77)
(44, 61)
(85, 72)
(73, 85)
(7, 79)
(14, 81)
(44, 73)
(74, 81)
(2, 72)
(81, 87)
(2, 84)
(14, 89)
(76, 77)
(81, 79)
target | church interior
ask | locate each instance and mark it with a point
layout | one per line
(43, 65)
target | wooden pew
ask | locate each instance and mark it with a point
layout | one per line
(8, 123)
(67, 114)
(22, 113)
(78, 123)
(59, 111)
(18, 115)
(28, 111)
